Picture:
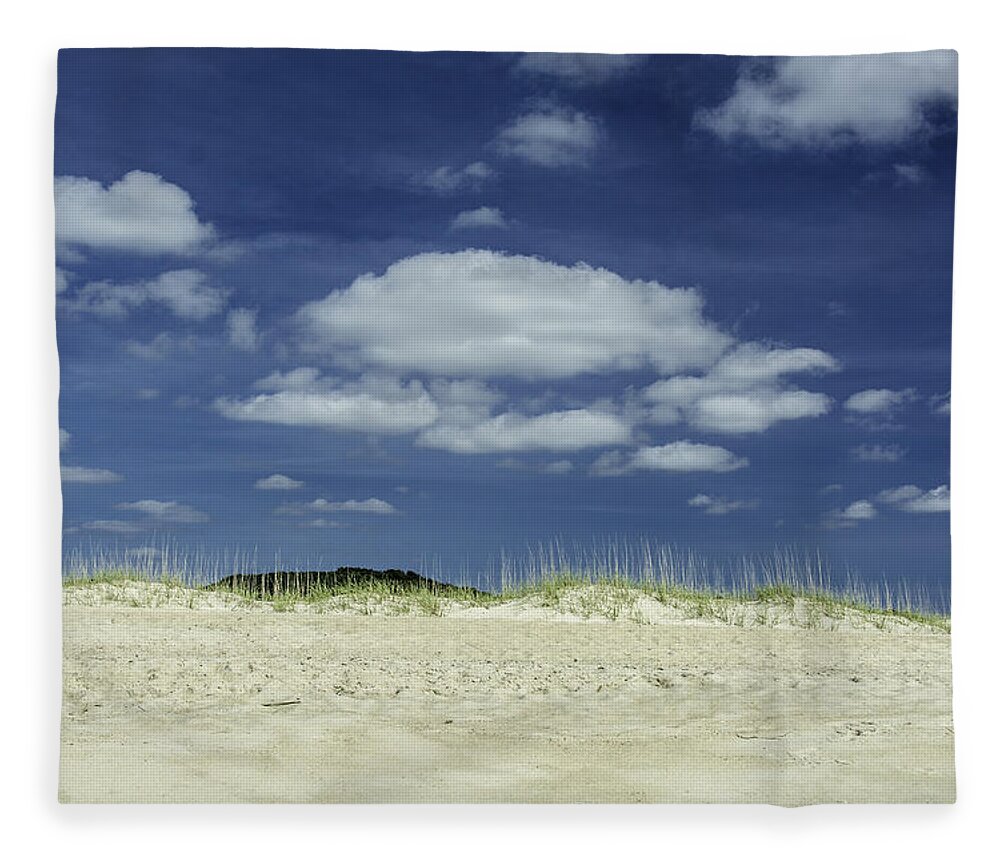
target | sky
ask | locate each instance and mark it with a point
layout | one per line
(434, 310)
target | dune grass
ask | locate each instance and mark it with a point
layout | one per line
(615, 584)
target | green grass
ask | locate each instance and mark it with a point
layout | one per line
(781, 590)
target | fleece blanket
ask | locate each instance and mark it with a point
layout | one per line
(470, 427)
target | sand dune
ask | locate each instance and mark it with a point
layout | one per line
(225, 702)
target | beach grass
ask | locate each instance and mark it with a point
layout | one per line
(618, 585)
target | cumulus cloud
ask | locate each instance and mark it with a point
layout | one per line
(485, 217)
(720, 506)
(878, 453)
(681, 456)
(64, 437)
(185, 292)
(744, 392)
(570, 430)
(451, 180)
(879, 402)
(849, 517)
(351, 506)
(486, 314)
(435, 334)
(241, 329)
(550, 137)
(578, 70)
(913, 500)
(140, 213)
(304, 398)
(84, 475)
(165, 512)
(278, 482)
(830, 102)
(687, 457)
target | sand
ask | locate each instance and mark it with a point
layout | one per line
(231, 703)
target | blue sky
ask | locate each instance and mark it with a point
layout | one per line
(390, 309)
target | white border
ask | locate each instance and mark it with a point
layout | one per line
(30, 625)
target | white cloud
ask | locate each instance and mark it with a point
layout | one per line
(62, 281)
(878, 453)
(879, 401)
(933, 501)
(687, 457)
(428, 332)
(450, 180)
(64, 437)
(453, 415)
(550, 137)
(757, 411)
(241, 329)
(913, 500)
(719, 506)
(829, 102)
(485, 217)
(860, 510)
(941, 404)
(112, 526)
(578, 70)
(303, 398)
(140, 213)
(84, 475)
(185, 292)
(368, 506)
(681, 456)
(570, 430)
(909, 174)
(850, 516)
(743, 392)
(165, 512)
(278, 482)
(899, 495)
(610, 464)
(106, 299)
(160, 347)
(482, 314)
(351, 506)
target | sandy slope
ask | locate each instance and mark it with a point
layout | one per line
(176, 704)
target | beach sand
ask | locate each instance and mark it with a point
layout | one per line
(226, 702)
